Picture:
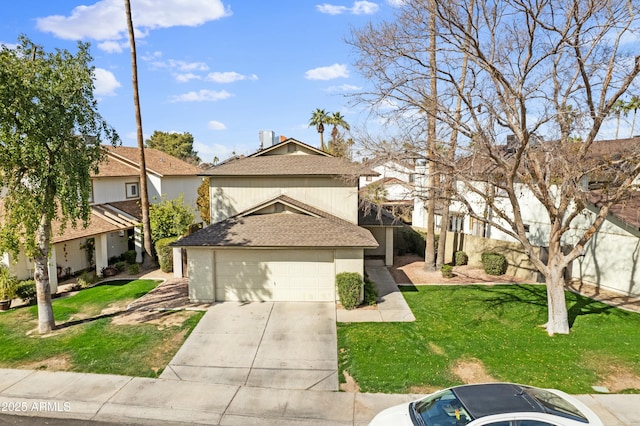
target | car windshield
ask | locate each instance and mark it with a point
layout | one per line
(442, 409)
(557, 405)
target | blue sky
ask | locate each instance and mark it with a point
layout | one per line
(221, 70)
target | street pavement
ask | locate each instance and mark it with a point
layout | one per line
(245, 364)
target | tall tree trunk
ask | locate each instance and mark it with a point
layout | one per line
(149, 258)
(449, 180)
(633, 123)
(322, 141)
(46, 321)
(430, 250)
(558, 322)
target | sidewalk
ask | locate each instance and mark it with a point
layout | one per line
(158, 401)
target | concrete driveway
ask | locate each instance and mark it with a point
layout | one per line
(278, 345)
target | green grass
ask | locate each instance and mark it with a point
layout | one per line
(86, 340)
(498, 326)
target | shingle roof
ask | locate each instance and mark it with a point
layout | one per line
(104, 218)
(310, 227)
(627, 210)
(124, 161)
(281, 165)
(373, 215)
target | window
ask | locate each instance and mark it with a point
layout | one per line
(456, 223)
(91, 194)
(132, 190)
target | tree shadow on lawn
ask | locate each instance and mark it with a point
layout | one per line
(502, 295)
(578, 305)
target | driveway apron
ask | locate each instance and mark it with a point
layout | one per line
(280, 345)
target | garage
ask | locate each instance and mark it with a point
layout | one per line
(274, 275)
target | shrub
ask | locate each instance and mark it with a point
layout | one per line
(86, 279)
(165, 253)
(120, 266)
(447, 271)
(129, 256)
(113, 260)
(8, 284)
(170, 218)
(370, 292)
(349, 288)
(134, 269)
(460, 258)
(494, 263)
(411, 241)
(27, 291)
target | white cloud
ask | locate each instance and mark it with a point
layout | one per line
(10, 46)
(201, 96)
(364, 8)
(216, 125)
(105, 82)
(396, 3)
(343, 88)
(327, 73)
(331, 9)
(229, 77)
(185, 78)
(112, 46)
(104, 20)
(360, 7)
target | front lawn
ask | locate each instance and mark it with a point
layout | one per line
(496, 330)
(88, 340)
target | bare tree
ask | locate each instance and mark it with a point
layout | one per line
(149, 257)
(544, 76)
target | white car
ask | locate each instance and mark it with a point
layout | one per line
(491, 404)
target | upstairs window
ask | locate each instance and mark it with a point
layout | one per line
(132, 190)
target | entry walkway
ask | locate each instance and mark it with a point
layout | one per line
(392, 307)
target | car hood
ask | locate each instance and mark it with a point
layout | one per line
(397, 415)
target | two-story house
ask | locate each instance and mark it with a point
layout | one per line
(284, 222)
(611, 258)
(115, 212)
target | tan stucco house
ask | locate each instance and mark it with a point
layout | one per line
(284, 222)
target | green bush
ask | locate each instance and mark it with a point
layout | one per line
(165, 253)
(134, 268)
(447, 271)
(370, 292)
(494, 263)
(411, 241)
(349, 287)
(460, 258)
(129, 256)
(120, 266)
(86, 279)
(27, 291)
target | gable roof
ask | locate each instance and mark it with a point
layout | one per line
(289, 141)
(104, 218)
(124, 161)
(301, 226)
(291, 165)
(373, 215)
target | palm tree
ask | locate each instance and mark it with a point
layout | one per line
(633, 104)
(618, 107)
(337, 120)
(318, 118)
(149, 258)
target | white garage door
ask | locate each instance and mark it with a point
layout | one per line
(275, 275)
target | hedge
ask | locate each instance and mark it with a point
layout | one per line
(350, 286)
(494, 263)
(460, 258)
(165, 253)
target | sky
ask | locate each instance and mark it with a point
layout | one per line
(222, 70)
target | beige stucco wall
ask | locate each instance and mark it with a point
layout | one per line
(519, 263)
(232, 195)
(201, 274)
(349, 260)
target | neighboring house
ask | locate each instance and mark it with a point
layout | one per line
(392, 187)
(611, 256)
(284, 222)
(115, 212)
